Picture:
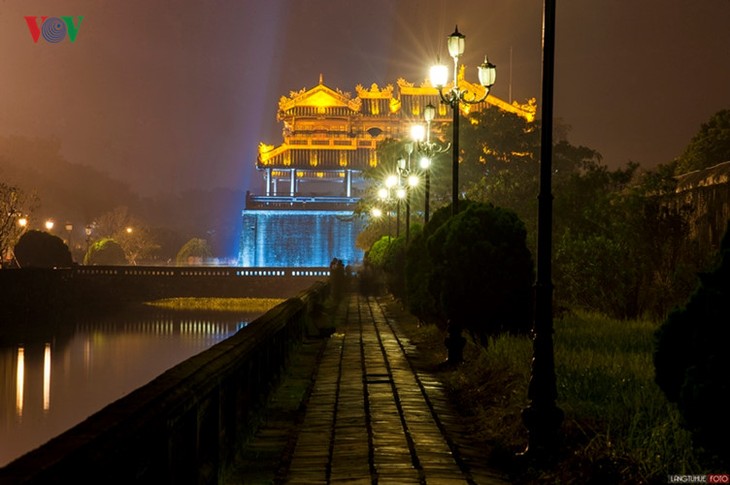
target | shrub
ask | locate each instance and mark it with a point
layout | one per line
(420, 295)
(483, 270)
(394, 266)
(386, 257)
(105, 252)
(421, 287)
(691, 361)
(376, 255)
(37, 249)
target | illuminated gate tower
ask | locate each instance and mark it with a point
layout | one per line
(313, 180)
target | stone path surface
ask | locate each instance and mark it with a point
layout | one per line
(366, 417)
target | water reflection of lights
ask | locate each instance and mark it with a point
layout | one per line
(20, 380)
(55, 383)
(197, 329)
(47, 378)
(161, 327)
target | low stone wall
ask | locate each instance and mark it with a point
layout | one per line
(187, 424)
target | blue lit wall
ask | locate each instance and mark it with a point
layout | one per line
(271, 238)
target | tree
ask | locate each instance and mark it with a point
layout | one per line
(710, 146)
(129, 232)
(14, 206)
(137, 243)
(37, 249)
(105, 252)
(495, 140)
(195, 251)
(621, 242)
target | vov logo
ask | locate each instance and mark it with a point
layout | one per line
(53, 29)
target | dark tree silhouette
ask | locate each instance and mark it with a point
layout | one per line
(691, 359)
(37, 249)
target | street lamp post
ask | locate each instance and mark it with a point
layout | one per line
(411, 181)
(391, 183)
(384, 196)
(542, 417)
(400, 194)
(439, 74)
(428, 150)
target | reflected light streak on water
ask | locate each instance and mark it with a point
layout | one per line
(65, 376)
(47, 378)
(20, 380)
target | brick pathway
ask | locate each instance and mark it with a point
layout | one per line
(368, 418)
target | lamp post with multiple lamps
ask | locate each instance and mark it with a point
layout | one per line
(439, 74)
(410, 180)
(392, 183)
(428, 150)
(454, 97)
(384, 197)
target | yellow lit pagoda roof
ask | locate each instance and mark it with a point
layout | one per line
(323, 99)
(319, 96)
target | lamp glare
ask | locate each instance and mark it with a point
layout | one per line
(438, 75)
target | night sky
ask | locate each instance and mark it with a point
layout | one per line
(167, 96)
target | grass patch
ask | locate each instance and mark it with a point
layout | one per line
(618, 427)
(238, 305)
(615, 412)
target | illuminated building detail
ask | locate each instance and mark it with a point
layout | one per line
(330, 138)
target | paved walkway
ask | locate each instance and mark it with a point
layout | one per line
(369, 417)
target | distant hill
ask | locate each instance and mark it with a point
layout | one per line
(67, 191)
(70, 192)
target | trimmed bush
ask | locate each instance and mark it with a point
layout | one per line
(483, 271)
(37, 249)
(105, 252)
(691, 360)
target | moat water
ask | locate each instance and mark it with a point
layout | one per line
(54, 375)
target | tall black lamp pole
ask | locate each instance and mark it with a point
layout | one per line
(542, 417)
